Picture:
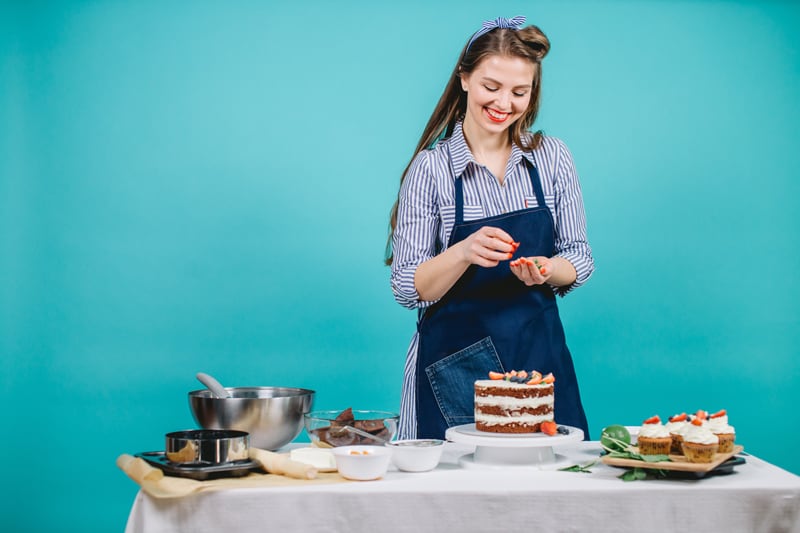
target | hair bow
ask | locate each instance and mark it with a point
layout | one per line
(499, 22)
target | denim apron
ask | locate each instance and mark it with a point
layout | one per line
(491, 321)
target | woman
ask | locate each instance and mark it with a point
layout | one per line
(488, 227)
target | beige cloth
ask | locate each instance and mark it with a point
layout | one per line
(282, 471)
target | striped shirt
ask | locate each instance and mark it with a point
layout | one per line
(426, 215)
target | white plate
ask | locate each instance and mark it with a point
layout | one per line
(469, 435)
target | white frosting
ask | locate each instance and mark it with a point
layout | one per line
(720, 425)
(654, 431)
(700, 435)
(677, 428)
(508, 402)
(493, 420)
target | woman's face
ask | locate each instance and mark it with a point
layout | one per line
(498, 92)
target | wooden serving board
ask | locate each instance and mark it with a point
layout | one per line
(677, 462)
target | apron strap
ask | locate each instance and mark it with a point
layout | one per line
(535, 182)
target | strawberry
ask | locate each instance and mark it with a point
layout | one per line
(721, 412)
(496, 375)
(697, 421)
(512, 374)
(678, 418)
(522, 374)
(548, 427)
(653, 420)
(549, 378)
(702, 415)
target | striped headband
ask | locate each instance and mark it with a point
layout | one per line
(499, 22)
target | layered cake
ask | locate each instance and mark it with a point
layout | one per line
(514, 402)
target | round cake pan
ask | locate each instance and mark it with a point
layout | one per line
(207, 446)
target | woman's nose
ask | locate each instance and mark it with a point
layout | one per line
(503, 100)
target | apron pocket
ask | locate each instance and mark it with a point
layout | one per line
(453, 379)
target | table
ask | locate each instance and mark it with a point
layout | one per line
(757, 497)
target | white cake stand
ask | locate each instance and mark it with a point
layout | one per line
(501, 450)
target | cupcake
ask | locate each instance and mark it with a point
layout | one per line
(718, 425)
(677, 426)
(699, 444)
(653, 439)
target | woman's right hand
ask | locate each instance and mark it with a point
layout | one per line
(487, 247)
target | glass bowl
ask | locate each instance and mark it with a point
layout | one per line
(329, 429)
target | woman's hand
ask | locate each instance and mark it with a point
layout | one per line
(487, 247)
(532, 270)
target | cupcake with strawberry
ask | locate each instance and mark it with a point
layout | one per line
(677, 426)
(718, 425)
(653, 439)
(700, 445)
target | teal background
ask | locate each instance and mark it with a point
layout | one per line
(203, 186)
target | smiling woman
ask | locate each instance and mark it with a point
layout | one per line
(481, 190)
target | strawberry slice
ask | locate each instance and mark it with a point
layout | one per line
(678, 418)
(522, 374)
(721, 412)
(496, 375)
(702, 415)
(653, 420)
(548, 427)
(549, 378)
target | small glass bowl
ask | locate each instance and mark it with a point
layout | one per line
(328, 429)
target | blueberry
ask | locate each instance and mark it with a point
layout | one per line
(562, 430)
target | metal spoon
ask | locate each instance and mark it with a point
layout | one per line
(213, 385)
(363, 433)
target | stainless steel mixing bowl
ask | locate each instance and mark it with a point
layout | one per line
(273, 416)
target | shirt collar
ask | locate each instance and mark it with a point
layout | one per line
(461, 155)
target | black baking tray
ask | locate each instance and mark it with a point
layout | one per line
(723, 469)
(200, 471)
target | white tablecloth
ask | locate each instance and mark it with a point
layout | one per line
(757, 497)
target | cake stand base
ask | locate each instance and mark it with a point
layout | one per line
(498, 450)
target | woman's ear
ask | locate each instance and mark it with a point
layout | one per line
(462, 76)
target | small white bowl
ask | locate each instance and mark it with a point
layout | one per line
(362, 463)
(416, 455)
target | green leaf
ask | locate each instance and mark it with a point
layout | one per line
(655, 458)
(579, 468)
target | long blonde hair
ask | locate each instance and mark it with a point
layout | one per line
(528, 43)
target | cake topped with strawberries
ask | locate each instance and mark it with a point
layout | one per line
(515, 402)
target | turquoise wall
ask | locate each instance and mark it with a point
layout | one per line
(204, 186)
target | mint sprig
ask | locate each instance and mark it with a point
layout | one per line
(623, 450)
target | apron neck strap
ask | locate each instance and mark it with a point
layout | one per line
(535, 182)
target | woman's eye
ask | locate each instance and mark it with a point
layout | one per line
(490, 89)
(520, 94)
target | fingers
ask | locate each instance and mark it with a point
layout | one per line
(532, 270)
(489, 245)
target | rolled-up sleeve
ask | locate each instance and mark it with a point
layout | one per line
(570, 220)
(414, 240)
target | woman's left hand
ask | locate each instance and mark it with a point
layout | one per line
(532, 270)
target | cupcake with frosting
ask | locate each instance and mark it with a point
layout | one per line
(700, 445)
(677, 426)
(653, 439)
(718, 425)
